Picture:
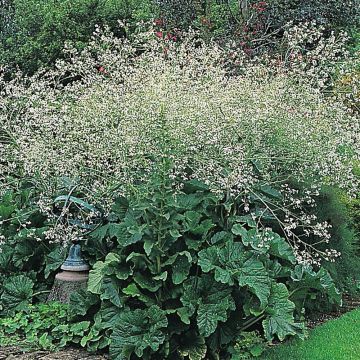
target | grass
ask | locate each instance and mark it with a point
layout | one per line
(335, 340)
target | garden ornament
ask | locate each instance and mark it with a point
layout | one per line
(75, 270)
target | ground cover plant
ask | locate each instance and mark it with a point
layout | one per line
(41, 326)
(337, 339)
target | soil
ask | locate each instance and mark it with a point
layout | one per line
(349, 303)
(12, 353)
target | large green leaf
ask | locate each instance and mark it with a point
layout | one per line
(120, 206)
(203, 228)
(305, 277)
(5, 258)
(254, 275)
(96, 277)
(224, 260)
(241, 231)
(54, 260)
(192, 219)
(113, 265)
(264, 242)
(192, 346)
(100, 232)
(81, 301)
(6, 211)
(270, 191)
(208, 316)
(133, 291)
(17, 293)
(181, 267)
(27, 245)
(137, 331)
(230, 264)
(211, 301)
(280, 319)
(67, 198)
(110, 291)
(145, 281)
(108, 316)
(225, 332)
(280, 248)
(24, 250)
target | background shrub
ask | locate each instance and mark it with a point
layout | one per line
(327, 12)
(34, 32)
(332, 205)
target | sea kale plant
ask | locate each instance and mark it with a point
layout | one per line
(207, 182)
(187, 273)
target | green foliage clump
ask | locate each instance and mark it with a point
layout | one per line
(182, 277)
(249, 346)
(41, 326)
(335, 207)
(334, 13)
(27, 256)
(35, 32)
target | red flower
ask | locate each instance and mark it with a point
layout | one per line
(158, 22)
(205, 21)
(102, 70)
(170, 36)
(159, 34)
(260, 6)
(248, 51)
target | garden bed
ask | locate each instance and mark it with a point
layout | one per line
(9, 353)
(349, 303)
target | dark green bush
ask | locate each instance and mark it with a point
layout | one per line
(332, 207)
(328, 12)
(182, 277)
(221, 15)
(34, 32)
(27, 257)
(175, 274)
